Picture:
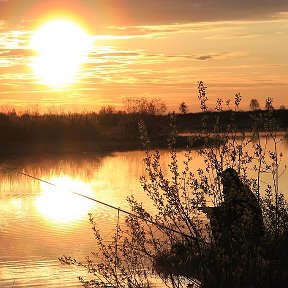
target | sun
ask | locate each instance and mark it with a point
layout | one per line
(61, 48)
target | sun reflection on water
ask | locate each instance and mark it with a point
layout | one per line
(59, 204)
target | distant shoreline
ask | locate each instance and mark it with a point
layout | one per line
(96, 133)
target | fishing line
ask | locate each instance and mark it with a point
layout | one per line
(118, 209)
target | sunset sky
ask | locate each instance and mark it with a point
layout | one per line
(151, 48)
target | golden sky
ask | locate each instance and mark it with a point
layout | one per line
(149, 48)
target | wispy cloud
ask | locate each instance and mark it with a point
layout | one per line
(210, 56)
(17, 52)
(232, 29)
(232, 36)
(160, 31)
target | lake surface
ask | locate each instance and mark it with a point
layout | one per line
(40, 222)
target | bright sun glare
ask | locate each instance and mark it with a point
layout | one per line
(61, 46)
(60, 204)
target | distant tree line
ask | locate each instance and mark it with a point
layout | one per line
(253, 106)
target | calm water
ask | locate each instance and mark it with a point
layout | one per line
(39, 222)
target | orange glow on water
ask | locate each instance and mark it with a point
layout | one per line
(59, 204)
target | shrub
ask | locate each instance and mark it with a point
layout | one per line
(177, 242)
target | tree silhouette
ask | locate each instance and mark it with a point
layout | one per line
(254, 105)
(183, 108)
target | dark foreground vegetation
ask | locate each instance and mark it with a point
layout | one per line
(116, 131)
(220, 225)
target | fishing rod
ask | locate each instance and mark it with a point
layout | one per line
(161, 226)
